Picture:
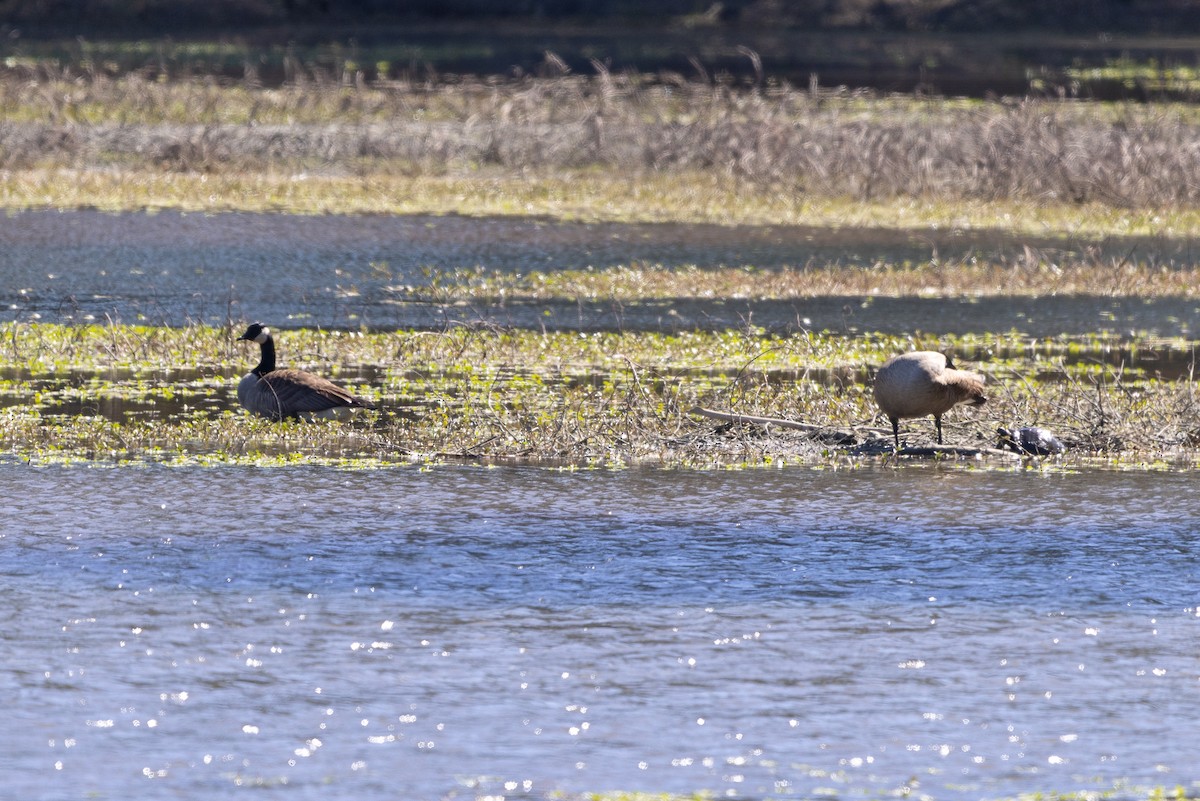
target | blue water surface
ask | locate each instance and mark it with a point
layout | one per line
(462, 632)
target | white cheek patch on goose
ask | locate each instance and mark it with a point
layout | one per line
(276, 394)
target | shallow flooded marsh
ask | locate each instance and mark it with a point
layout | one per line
(571, 343)
(116, 393)
(539, 571)
(456, 596)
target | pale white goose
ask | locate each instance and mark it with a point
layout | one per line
(279, 394)
(924, 382)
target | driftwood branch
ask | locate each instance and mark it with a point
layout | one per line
(750, 418)
(957, 451)
(775, 421)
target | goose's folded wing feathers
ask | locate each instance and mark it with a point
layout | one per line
(300, 391)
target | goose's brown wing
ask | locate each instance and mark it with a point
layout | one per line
(298, 391)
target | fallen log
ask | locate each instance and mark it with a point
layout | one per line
(934, 451)
(953, 450)
(750, 418)
(782, 422)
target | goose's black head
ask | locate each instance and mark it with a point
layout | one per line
(257, 332)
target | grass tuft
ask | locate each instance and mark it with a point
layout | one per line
(111, 393)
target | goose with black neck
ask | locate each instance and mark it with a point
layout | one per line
(289, 393)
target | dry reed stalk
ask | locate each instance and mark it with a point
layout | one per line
(778, 137)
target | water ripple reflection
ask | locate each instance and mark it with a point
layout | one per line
(174, 268)
(520, 631)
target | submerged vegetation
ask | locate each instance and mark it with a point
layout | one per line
(617, 147)
(620, 148)
(115, 393)
(1030, 274)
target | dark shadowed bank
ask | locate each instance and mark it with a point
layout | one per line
(1155, 16)
(973, 48)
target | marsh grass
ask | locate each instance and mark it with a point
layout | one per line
(568, 145)
(569, 399)
(601, 147)
(1030, 274)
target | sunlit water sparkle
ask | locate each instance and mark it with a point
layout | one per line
(175, 632)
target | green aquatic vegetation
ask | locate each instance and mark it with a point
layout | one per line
(1147, 75)
(972, 276)
(109, 394)
(565, 194)
(1159, 793)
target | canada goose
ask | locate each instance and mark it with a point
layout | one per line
(279, 394)
(1030, 441)
(924, 382)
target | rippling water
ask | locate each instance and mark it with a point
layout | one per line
(172, 269)
(420, 634)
